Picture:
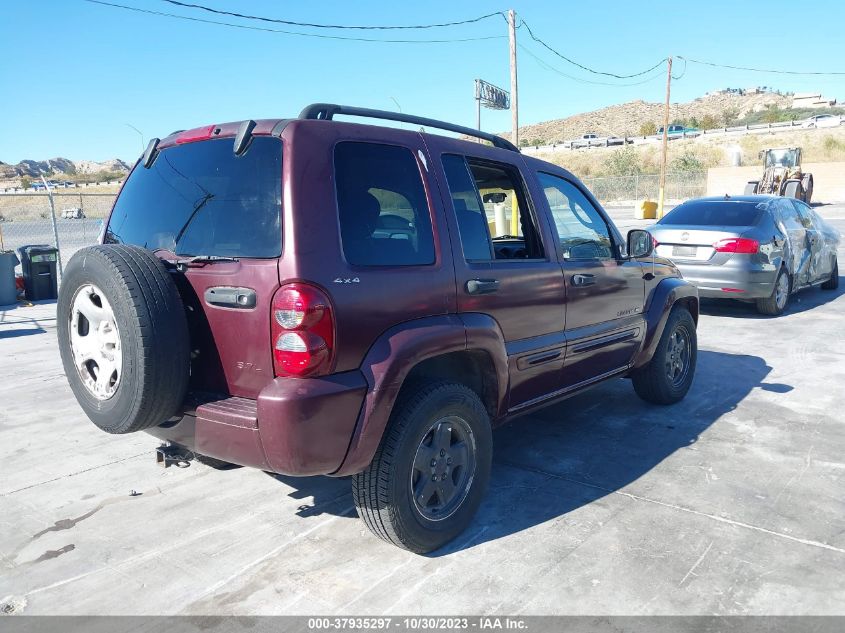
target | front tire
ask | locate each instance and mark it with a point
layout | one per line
(777, 302)
(431, 470)
(833, 282)
(667, 377)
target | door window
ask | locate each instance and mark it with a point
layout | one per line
(582, 231)
(384, 215)
(789, 216)
(494, 219)
(804, 214)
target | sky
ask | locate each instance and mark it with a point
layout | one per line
(78, 77)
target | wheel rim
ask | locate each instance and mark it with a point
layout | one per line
(678, 355)
(443, 469)
(782, 291)
(95, 342)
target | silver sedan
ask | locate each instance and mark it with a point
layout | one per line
(760, 248)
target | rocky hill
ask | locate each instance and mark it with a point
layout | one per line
(59, 167)
(626, 119)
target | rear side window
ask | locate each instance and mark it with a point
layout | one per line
(715, 213)
(383, 211)
(201, 199)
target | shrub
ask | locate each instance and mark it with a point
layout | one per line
(623, 162)
(648, 128)
(687, 162)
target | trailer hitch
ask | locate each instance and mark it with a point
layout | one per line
(169, 454)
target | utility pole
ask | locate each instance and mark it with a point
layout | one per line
(662, 191)
(514, 97)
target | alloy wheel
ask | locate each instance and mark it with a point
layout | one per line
(95, 342)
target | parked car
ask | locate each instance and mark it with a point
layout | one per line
(678, 131)
(757, 248)
(584, 141)
(823, 120)
(314, 297)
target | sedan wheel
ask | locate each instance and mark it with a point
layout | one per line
(779, 299)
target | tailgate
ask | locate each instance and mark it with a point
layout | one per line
(230, 344)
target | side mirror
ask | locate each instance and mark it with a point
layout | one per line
(640, 243)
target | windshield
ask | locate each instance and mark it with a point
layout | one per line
(781, 158)
(201, 199)
(715, 213)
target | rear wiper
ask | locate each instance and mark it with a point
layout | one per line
(204, 259)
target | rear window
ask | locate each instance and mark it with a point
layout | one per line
(202, 199)
(384, 216)
(715, 213)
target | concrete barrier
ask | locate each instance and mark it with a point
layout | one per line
(828, 180)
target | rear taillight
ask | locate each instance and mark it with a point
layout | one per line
(302, 331)
(736, 245)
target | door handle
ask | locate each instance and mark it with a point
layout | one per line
(482, 286)
(583, 280)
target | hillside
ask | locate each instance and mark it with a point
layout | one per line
(626, 119)
(10, 175)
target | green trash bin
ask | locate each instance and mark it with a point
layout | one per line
(8, 291)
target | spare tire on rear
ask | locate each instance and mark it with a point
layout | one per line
(123, 337)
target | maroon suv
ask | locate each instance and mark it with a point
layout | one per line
(314, 297)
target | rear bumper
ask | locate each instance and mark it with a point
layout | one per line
(732, 280)
(295, 427)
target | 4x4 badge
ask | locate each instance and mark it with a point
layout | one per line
(347, 280)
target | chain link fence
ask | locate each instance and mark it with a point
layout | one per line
(628, 190)
(26, 218)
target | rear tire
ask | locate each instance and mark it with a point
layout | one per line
(667, 377)
(123, 337)
(431, 470)
(777, 302)
(833, 282)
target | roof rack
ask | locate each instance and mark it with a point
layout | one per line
(327, 111)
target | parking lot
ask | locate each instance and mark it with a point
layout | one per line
(730, 502)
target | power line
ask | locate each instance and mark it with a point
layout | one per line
(553, 69)
(282, 31)
(757, 70)
(333, 26)
(587, 68)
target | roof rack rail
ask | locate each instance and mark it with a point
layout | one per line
(327, 111)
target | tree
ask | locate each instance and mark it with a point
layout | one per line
(729, 115)
(26, 182)
(648, 128)
(708, 122)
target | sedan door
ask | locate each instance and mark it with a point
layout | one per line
(820, 262)
(797, 255)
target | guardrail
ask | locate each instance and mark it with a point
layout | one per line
(753, 128)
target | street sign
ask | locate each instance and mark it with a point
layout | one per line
(491, 96)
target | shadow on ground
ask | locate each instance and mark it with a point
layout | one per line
(599, 442)
(801, 301)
